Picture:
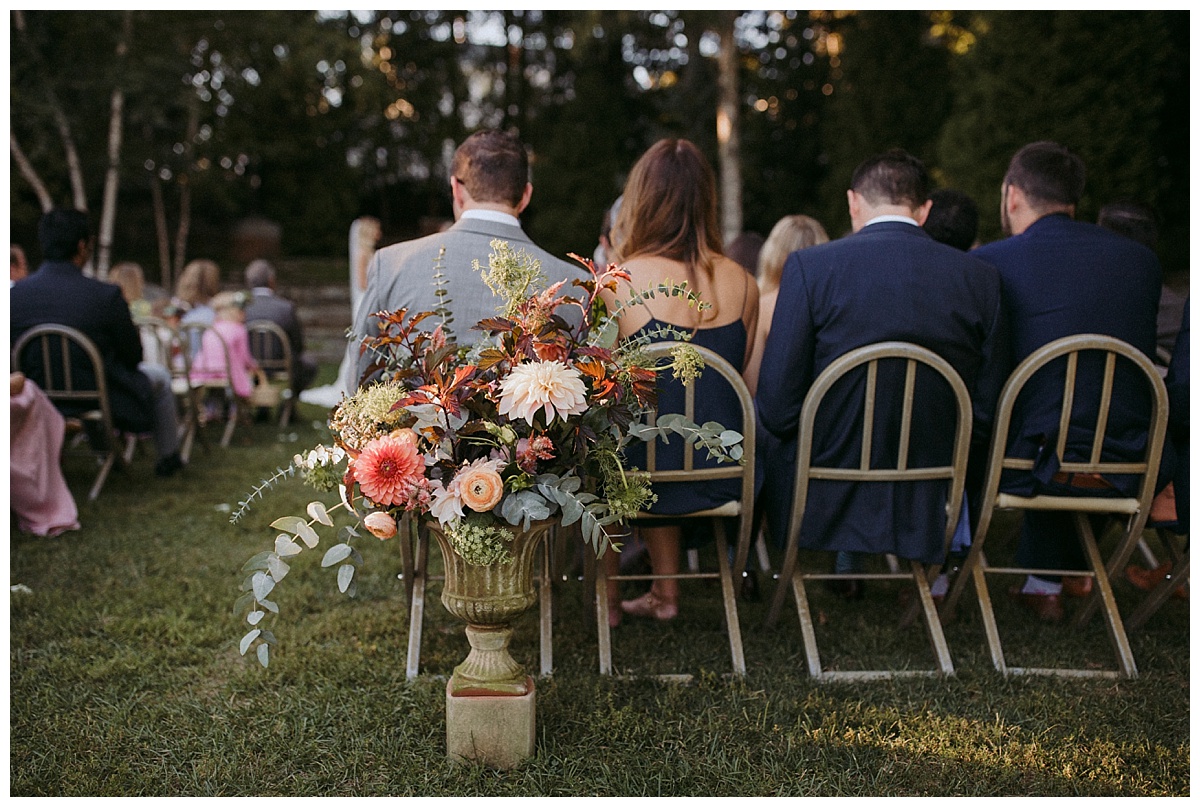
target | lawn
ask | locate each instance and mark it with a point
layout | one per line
(126, 678)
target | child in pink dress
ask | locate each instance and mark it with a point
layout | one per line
(230, 326)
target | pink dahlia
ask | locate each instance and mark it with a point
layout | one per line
(388, 469)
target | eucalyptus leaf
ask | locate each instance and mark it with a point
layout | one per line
(264, 654)
(277, 568)
(318, 513)
(248, 639)
(288, 523)
(257, 563)
(268, 637)
(262, 584)
(345, 575)
(286, 546)
(336, 554)
(308, 535)
(243, 602)
(730, 437)
(254, 617)
(270, 606)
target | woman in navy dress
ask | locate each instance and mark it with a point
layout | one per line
(666, 231)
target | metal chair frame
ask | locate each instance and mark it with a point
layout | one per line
(261, 331)
(1135, 509)
(197, 329)
(955, 474)
(742, 508)
(172, 349)
(59, 386)
(414, 561)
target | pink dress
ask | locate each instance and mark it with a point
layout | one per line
(209, 363)
(40, 498)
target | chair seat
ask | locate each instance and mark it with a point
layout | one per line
(1007, 501)
(727, 510)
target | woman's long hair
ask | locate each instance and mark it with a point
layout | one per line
(789, 234)
(669, 210)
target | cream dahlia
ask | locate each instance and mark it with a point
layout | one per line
(550, 385)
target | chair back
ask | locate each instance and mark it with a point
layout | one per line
(871, 355)
(193, 333)
(66, 364)
(270, 347)
(1146, 467)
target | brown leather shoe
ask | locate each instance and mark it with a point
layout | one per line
(1046, 607)
(1076, 586)
(1148, 579)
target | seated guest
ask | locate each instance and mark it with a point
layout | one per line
(667, 231)
(953, 219)
(789, 234)
(58, 292)
(1062, 277)
(266, 304)
(18, 269)
(889, 280)
(228, 337)
(39, 494)
(132, 282)
(198, 282)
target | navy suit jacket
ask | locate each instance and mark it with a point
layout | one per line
(1062, 277)
(59, 293)
(889, 281)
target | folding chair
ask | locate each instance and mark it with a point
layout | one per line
(170, 351)
(1135, 509)
(793, 577)
(51, 356)
(193, 333)
(414, 561)
(270, 348)
(742, 508)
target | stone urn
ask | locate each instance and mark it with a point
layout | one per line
(488, 598)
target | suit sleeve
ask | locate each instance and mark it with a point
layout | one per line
(127, 343)
(787, 365)
(994, 370)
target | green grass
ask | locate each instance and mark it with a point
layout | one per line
(126, 679)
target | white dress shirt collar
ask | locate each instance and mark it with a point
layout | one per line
(880, 219)
(490, 215)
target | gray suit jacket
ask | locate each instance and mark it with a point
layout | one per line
(401, 276)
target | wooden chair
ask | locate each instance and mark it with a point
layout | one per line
(414, 543)
(793, 577)
(1135, 509)
(742, 508)
(170, 351)
(193, 333)
(52, 356)
(270, 348)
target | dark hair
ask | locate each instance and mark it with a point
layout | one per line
(894, 177)
(953, 218)
(59, 233)
(1132, 220)
(1047, 174)
(494, 167)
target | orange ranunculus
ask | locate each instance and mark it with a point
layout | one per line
(380, 524)
(480, 488)
(388, 468)
(405, 434)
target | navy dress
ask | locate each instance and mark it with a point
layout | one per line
(715, 401)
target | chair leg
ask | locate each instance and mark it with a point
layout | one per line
(416, 612)
(109, 461)
(1116, 631)
(230, 423)
(809, 634)
(603, 639)
(933, 625)
(786, 572)
(729, 594)
(546, 603)
(985, 612)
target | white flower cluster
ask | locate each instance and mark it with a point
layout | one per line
(319, 457)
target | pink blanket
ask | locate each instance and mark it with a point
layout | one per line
(40, 497)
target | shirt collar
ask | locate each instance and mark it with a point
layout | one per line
(490, 215)
(261, 291)
(881, 219)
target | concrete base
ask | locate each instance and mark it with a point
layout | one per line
(495, 730)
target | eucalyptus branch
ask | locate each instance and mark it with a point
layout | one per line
(259, 490)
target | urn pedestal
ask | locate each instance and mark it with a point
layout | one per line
(490, 700)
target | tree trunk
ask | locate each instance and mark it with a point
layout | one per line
(112, 177)
(160, 231)
(728, 135)
(185, 185)
(31, 176)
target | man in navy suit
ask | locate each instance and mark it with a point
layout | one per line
(139, 393)
(889, 280)
(1062, 277)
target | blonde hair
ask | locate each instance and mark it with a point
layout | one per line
(789, 234)
(669, 210)
(228, 301)
(198, 282)
(129, 277)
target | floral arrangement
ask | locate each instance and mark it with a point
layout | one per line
(526, 423)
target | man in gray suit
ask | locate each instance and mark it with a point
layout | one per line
(266, 304)
(489, 183)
